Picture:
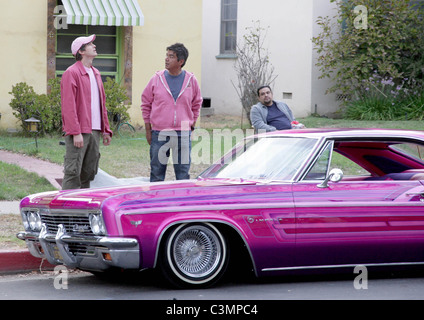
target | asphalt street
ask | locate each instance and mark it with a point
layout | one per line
(148, 285)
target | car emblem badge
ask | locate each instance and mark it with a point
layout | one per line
(79, 228)
(136, 223)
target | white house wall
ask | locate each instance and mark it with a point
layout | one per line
(291, 27)
(323, 104)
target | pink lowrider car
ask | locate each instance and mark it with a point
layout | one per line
(279, 199)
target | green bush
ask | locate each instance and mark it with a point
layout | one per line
(116, 96)
(26, 103)
(385, 99)
(390, 42)
(55, 116)
(387, 45)
(414, 105)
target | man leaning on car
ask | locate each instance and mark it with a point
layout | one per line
(269, 115)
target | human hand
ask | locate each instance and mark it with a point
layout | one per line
(106, 139)
(149, 133)
(297, 125)
(78, 141)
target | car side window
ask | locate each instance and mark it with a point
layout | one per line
(411, 149)
(330, 159)
(320, 168)
(348, 167)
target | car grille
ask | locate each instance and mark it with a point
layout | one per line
(74, 224)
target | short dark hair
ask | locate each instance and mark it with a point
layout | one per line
(78, 56)
(181, 52)
(260, 88)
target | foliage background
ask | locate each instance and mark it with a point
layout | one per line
(26, 103)
(374, 57)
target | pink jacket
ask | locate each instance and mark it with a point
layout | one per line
(76, 100)
(162, 112)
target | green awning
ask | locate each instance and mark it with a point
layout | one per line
(103, 12)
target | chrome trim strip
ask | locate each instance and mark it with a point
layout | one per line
(111, 243)
(68, 258)
(125, 252)
(73, 212)
(42, 238)
(68, 211)
(209, 207)
(261, 206)
(345, 266)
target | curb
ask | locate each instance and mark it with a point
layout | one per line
(22, 261)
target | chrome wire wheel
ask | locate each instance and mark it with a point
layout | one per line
(196, 253)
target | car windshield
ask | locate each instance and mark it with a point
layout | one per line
(274, 158)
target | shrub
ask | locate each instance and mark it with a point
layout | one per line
(55, 119)
(116, 96)
(26, 103)
(390, 43)
(377, 99)
(23, 103)
(414, 109)
(386, 99)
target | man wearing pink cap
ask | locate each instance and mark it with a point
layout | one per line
(84, 115)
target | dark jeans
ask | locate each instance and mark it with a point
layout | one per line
(162, 143)
(81, 164)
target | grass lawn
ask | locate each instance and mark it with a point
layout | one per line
(10, 224)
(129, 157)
(16, 183)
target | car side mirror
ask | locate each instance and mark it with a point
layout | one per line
(335, 175)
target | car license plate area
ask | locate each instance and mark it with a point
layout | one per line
(54, 252)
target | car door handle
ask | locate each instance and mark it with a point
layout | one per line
(415, 194)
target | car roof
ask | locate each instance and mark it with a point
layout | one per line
(347, 133)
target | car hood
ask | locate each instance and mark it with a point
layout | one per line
(151, 195)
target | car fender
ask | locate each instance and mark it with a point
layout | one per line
(217, 221)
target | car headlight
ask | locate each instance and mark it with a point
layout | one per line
(25, 220)
(97, 225)
(31, 220)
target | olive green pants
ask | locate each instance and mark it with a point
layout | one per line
(81, 164)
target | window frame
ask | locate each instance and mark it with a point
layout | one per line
(223, 33)
(117, 75)
(124, 45)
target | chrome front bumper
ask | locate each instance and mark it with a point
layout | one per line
(94, 253)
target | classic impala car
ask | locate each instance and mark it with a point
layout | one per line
(281, 198)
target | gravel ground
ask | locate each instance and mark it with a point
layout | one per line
(10, 224)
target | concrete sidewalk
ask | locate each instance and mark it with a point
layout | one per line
(15, 261)
(8, 207)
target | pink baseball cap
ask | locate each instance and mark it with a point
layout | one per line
(80, 41)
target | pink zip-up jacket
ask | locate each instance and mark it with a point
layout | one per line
(76, 100)
(162, 112)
